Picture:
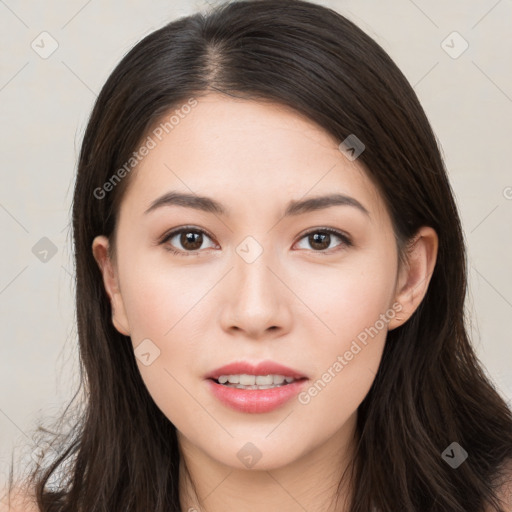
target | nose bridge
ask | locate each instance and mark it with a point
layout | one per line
(254, 279)
(256, 304)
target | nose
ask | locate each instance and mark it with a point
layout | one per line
(257, 298)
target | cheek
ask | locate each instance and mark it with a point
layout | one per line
(159, 297)
(345, 300)
(160, 309)
(166, 306)
(354, 309)
(345, 368)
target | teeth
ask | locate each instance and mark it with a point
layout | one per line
(261, 380)
(258, 381)
(239, 386)
(247, 380)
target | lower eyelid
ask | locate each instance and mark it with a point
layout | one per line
(345, 240)
(166, 240)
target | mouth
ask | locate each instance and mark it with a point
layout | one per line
(255, 388)
(264, 373)
(256, 382)
(255, 398)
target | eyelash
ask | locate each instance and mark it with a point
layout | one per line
(346, 241)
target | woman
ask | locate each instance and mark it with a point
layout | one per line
(307, 350)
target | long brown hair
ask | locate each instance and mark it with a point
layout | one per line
(430, 389)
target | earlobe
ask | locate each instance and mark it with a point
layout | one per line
(100, 247)
(414, 277)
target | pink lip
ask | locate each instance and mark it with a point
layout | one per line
(263, 368)
(255, 400)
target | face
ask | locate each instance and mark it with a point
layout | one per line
(314, 288)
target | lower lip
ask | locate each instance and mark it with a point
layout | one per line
(255, 400)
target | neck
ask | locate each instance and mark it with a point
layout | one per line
(310, 482)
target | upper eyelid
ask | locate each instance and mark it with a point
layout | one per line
(333, 231)
(177, 231)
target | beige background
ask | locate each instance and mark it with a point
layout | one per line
(45, 104)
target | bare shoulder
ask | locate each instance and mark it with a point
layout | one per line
(19, 500)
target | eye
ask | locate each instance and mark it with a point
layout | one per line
(320, 239)
(191, 239)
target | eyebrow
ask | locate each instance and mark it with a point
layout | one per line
(294, 207)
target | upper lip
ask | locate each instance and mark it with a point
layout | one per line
(262, 368)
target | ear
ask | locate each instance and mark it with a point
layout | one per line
(100, 247)
(414, 277)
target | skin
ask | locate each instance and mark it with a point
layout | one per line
(298, 304)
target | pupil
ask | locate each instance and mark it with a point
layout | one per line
(322, 236)
(188, 238)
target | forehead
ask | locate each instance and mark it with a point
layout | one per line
(260, 152)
